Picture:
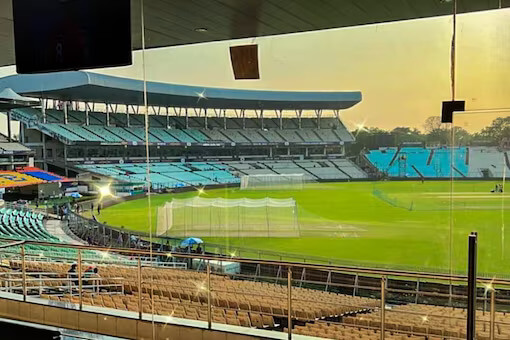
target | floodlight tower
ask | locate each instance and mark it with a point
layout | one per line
(402, 165)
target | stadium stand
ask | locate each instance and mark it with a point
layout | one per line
(236, 302)
(271, 136)
(13, 147)
(328, 173)
(381, 158)
(350, 168)
(43, 175)
(104, 133)
(216, 136)
(23, 225)
(486, 162)
(435, 322)
(118, 130)
(261, 305)
(344, 332)
(171, 175)
(415, 162)
(15, 179)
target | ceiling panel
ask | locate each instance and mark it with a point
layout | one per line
(176, 22)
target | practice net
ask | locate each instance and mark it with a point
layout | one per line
(273, 182)
(220, 217)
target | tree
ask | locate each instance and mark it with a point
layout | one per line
(461, 136)
(369, 138)
(405, 134)
(497, 131)
(432, 123)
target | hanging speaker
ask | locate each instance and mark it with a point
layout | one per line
(449, 108)
(245, 61)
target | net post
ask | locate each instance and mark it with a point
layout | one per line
(209, 307)
(471, 310)
(80, 281)
(289, 302)
(139, 283)
(493, 313)
(383, 305)
(23, 272)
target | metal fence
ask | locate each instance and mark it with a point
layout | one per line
(281, 296)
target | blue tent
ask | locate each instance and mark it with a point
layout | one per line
(191, 241)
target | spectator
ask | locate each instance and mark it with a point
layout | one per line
(86, 275)
(96, 278)
(134, 240)
(91, 277)
(73, 275)
(200, 250)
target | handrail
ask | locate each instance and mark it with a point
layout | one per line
(291, 313)
(269, 253)
(287, 264)
(13, 244)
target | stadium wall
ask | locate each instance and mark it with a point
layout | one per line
(108, 322)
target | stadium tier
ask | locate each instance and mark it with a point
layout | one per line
(172, 175)
(10, 179)
(23, 225)
(28, 176)
(121, 128)
(43, 175)
(235, 302)
(417, 162)
(26, 225)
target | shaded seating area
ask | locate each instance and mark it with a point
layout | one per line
(435, 322)
(416, 162)
(23, 225)
(120, 128)
(183, 294)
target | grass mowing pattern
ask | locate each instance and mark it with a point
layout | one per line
(347, 221)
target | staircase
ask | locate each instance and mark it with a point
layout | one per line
(340, 169)
(394, 158)
(459, 172)
(306, 171)
(418, 171)
(431, 155)
(507, 161)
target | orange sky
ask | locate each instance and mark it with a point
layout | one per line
(402, 69)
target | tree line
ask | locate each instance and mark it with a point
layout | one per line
(434, 133)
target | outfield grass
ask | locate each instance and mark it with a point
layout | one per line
(408, 225)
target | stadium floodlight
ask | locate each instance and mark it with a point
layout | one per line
(221, 217)
(273, 182)
(105, 191)
(488, 287)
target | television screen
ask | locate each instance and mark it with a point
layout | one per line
(62, 35)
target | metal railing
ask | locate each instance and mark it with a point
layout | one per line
(111, 236)
(297, 303)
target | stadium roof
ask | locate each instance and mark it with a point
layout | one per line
(178, 22)
(10, 100)
(99, 88)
